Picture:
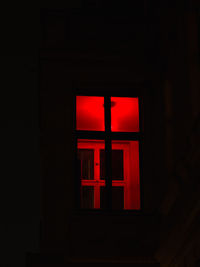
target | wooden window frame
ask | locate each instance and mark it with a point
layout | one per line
(108, 137)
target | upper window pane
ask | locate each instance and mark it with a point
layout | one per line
(124, 114)
(90, 113)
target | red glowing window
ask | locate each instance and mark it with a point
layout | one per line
(90, 113)
(124, 114)
(93, 152)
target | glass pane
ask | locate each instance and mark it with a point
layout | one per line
(118, 197)
(102, 164)
(124, 114)
(117, 164)
(90, 113)
(87, 197)
(86, 158)
(102, 197)
(128, 163)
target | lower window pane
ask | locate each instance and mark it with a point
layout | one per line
(125, 174)
(86, 158)
(124, 169)
(117, 164)
(102, 197)
(118, 198)
(87, 197)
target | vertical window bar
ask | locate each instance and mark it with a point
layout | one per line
(108, 150)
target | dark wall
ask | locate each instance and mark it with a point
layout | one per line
(20, 184)
(77, 55)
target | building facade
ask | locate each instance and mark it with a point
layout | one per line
(96, 50)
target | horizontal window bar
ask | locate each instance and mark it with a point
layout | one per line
(90, 134)
(102, 135)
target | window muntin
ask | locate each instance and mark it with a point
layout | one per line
(124, 164)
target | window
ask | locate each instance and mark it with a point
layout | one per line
(107, 131)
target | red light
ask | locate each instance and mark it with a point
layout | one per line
(134, 188)
(125, 154)
(92, 177)
(90, 113)
(131, 173)
(125, 114)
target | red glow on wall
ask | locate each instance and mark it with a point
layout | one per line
(90, 113)
(125, 114)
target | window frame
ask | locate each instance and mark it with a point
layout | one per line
(103, 135)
